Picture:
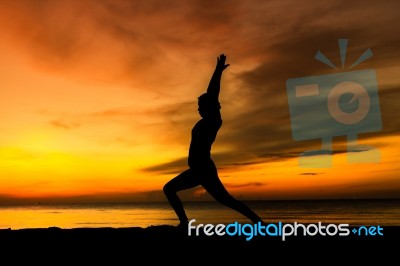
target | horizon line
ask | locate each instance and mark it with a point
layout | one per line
(22, 203)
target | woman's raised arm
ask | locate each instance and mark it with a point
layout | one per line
(214, 86)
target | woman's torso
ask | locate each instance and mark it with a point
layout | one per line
(203, 136)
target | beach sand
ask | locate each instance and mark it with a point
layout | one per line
(168, 243)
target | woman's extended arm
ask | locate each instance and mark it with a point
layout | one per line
(214, 86)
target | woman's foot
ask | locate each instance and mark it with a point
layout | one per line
(182, 226)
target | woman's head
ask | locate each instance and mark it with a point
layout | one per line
(207, 105)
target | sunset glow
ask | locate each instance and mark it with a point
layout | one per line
(98, 98)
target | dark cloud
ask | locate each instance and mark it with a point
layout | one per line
(142, 41)
(231, 160)
(386, 170)
(165, 42)
(64, 124)
(390, 110)
(173, 167)
(141, 36)
(246, 185)
(277, 156)
(243, 164)
(263, 124)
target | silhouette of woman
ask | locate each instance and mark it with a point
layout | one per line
(202, 170)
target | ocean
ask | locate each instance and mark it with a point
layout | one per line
(122, 215)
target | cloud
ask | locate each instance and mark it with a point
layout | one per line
(139, 39)
(246, 185)
(256, 116)
(277, 156)
(229, 160)
(64, 124)
(263, 124)
(167, 49)
(135, 43)
(221, 159)
(164, 124)
(173, 167)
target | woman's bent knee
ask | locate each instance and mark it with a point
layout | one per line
(167, 189)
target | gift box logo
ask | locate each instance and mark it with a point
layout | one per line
(325, 106)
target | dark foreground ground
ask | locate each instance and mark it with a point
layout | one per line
(124, 246)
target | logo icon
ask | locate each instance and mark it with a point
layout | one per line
(339, 104)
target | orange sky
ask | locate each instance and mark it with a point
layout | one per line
(98, 97)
